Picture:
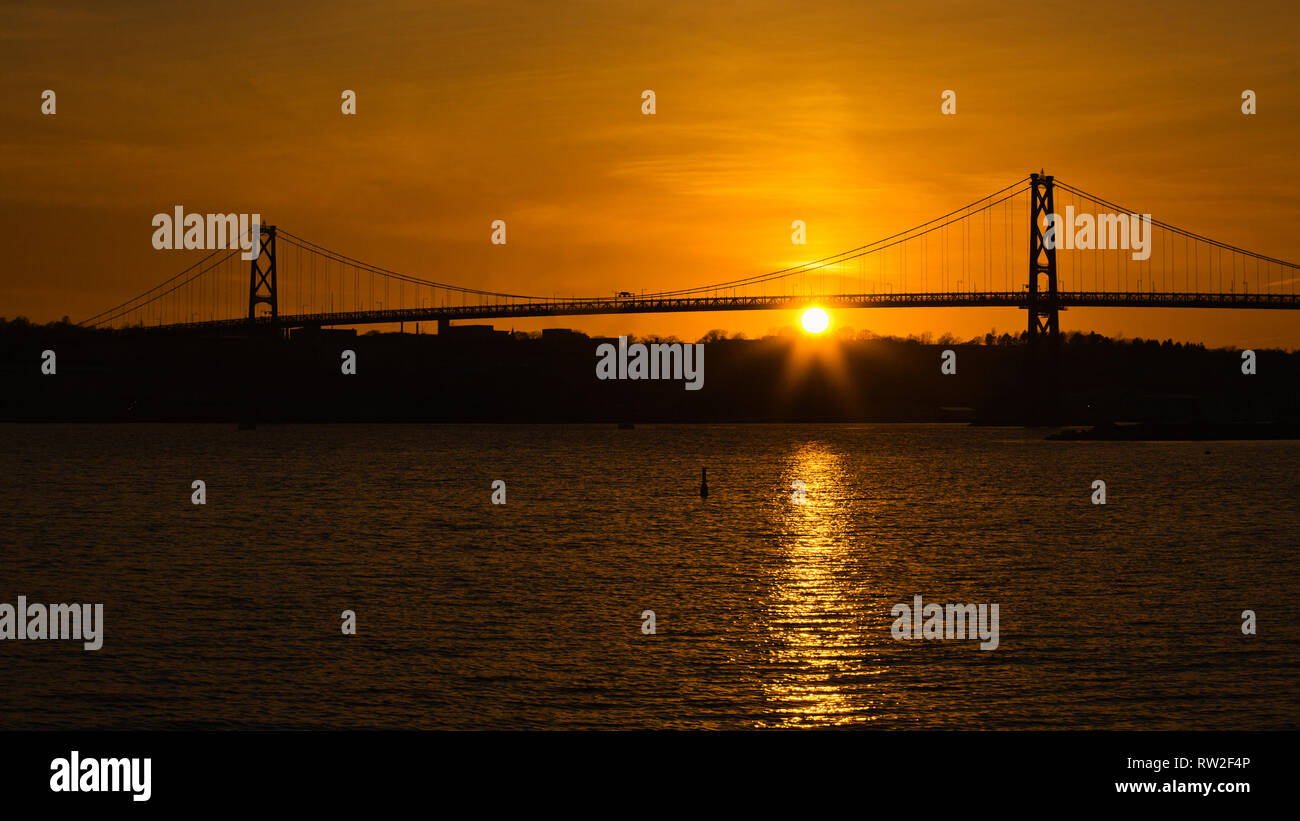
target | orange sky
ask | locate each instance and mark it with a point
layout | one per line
(530, 112)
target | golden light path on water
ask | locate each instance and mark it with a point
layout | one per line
(816, 617)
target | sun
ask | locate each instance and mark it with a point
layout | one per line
(815, 320)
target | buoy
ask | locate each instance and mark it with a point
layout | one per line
(704, 483)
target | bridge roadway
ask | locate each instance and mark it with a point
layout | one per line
(678, 304)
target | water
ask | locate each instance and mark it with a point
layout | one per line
(769, 614)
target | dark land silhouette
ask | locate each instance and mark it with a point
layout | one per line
(475, 374)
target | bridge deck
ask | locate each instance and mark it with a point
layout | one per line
(658, 305)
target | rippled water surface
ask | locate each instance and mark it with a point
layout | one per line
(769, 613)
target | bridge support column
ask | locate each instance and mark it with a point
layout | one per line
(261, 277)
(444, 326)
(1042, 304)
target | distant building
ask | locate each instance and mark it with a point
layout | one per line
(562, 334)
(473, 332)
(322, 333)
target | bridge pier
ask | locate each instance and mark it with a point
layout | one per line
(444, 326)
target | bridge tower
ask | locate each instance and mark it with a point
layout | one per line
(261, 277)
(1042, 300)
(1042, 374)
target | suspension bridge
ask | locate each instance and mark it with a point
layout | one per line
(999, 251)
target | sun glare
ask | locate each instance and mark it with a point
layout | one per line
(815, 320)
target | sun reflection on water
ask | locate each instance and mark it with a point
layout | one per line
(823, 666)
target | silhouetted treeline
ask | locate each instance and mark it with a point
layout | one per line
(478, 375)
